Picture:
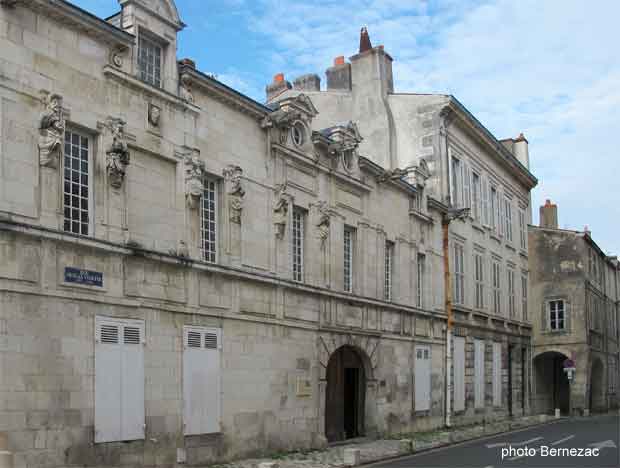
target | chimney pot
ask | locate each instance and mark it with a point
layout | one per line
(364, 40)
(189, 62)
(278, 77)
(339, 60)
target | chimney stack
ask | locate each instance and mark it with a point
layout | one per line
(309, 82)
(364, 40)
(339, 76)
(521, 150)
(549, 215)
(277, 87)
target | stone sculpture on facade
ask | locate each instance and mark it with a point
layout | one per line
(51, 132)
(185, 89)
(280, 210)
(154, 115)
(235, 192)
(323, 223)
(117, 154)
(194, 179)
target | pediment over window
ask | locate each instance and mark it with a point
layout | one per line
(341, 143)
(165, 9)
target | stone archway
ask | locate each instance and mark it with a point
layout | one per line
(552, 385)
(597, 386)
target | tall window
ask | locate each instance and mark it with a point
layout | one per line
(522, 230)
(508, 219)
(208, 221)
(415, 202)
(457, 182)
(420, 285)
(476, 193)
(497, 292)
(556, 315)
(479, 280)
(511, 292)
(389, 264)
(486, 219)
(299, 216)
(149, 61)
(76, 183)
(349, 244)
(459, 274)
(494, 209)
(524, 297)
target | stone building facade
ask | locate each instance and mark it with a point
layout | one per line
(575, 298)
(188, 276)
(468, 168)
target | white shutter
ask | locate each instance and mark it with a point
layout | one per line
(497, 374)
(132, 382)
(485, 202)
(108, 357)
(422, 378)
(119, 379)
(201, 380)
(466, 186)
(459, 373)
(479, 373)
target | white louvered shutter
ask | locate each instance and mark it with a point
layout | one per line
(459, 373)
(485, 202)
(479, 373)
(132, 390)
(466, 186)
(422, 378)
(497, 374)
(201, 380)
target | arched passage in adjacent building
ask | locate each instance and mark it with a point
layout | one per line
(597, 386)
(552, 385)
(345, 397)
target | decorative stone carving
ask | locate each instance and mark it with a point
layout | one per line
(323, 222)
(194, 179)
(235, 192)
(280, 210)
(51, 131)
(117, 154)
(185, 88)
(116, 58)
(154, 115)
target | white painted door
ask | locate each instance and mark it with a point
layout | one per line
(132, 383)
(497, 374)
(201, 380)
(422, 378)
(459, 373)
(479, 373)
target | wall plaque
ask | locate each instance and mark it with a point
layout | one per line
(86, 277)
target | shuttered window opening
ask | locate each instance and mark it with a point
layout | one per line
(422, 375)
(201, 380)
(497, 374)
(479, 373)
(119, 379)
(459, 373)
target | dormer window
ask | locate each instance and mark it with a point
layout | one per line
(149, 61)
(297, 134)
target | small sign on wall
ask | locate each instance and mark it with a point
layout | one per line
(85, 277)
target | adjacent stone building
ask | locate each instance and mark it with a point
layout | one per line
(574, 298)
(468, 168)
(188, 275)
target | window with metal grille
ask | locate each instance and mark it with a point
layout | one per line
(76, 192)
(479, 280)
(420, 285)
(511, 292)
(556, 315)
(149, 61)
(389, 261)
(524, 298)
(298, 243)
(459, 274)
(349, 240)
(497, 292)
(208, 221)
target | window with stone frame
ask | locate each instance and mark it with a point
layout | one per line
(208, 221)
(388, 270)
(458, 260)
(349, 249)
(524, 311)
(297, 239)
(511, 292)
(421, 279)
(556, 310)
(497, 289)
(476, 195)
(77, 183)
(479, 280)
(150, 56)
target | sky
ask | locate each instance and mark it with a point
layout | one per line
(547, 68)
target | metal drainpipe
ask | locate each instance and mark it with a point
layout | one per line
(448, 303)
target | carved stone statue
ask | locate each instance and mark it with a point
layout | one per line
(51, 132)
(117, 154)
(235, 192)
(280, 210)
(194, 179)
(323, 224)
(185, 89)
(154, 115)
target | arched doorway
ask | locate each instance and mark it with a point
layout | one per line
(552, 385)
(597, 394)
(345, 397)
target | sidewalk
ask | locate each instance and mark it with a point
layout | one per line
(381, 449)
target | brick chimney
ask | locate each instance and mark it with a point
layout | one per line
(309, 82)
(339, 76)
(549, 215)
(277, 87)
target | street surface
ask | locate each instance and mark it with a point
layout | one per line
(582, 434)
